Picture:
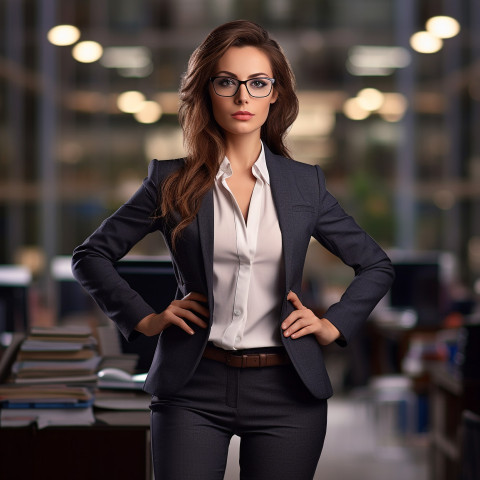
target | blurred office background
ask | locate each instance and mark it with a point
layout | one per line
(389, 107)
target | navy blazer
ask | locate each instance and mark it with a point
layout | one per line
(305, 209)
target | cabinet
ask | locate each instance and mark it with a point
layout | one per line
(450, 395)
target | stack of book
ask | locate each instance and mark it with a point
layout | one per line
(52, 379)
(57, 355)
(44, 396)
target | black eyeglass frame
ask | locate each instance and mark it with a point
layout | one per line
(243, 82)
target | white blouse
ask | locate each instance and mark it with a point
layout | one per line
(247, 265)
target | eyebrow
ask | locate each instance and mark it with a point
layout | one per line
(253, 75)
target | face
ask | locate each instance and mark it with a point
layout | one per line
(242, 114)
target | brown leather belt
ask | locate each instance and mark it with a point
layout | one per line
(250, 360)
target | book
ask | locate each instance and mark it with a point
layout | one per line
(47, 396)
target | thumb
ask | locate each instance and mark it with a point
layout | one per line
(293, 297)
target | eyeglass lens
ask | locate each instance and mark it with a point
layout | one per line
(227, 87)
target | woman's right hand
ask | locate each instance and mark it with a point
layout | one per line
(176, 314)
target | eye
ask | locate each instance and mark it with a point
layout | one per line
(226, 82)
(258, 83)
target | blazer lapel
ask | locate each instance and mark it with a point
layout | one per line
(206, 232)
(281, 192)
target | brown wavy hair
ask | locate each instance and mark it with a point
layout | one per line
(183, 190)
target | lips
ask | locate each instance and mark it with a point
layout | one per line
(242, 115)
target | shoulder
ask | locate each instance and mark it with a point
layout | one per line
(160, 169)
(304, 173)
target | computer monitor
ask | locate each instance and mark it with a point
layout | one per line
(154, 279)
(15, 282)
(422, 283)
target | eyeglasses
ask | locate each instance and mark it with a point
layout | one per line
(256, 87)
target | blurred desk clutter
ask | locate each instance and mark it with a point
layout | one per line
(62, 409)
(61, 368)
(441, 365)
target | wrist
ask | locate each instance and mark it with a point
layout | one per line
(144, 324)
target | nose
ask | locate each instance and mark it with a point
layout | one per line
(242, 94)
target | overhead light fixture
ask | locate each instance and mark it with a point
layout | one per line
(87, 52)
(425, 42)
(443, 26)
(129, 61)
(354, 111)
(370, 99)
(150, 112)
(131, 101)
(371, 60)
(62, 35)
(394, 107)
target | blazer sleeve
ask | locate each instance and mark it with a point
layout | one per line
(93, 261)
(374, 274)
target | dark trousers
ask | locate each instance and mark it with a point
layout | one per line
(281, 425)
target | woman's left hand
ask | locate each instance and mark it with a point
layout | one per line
(303, 322)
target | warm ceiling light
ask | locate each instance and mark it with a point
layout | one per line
(374, 60)
(443, 26)
(126, 57)
(425, 42)
(354, 111)
(370, 99)
(63, 35)
(394, 107)
(87, 52)
(150, 112)
(131, 101)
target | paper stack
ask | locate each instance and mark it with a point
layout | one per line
(48, 396)
(65, 355)
(52, 379)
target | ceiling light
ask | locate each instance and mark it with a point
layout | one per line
(129, 61)
(150, 112)
(354, 111)
(443, 26)
(131, 101)
(425, 42)
(126, 57)
(87, 52)
(376, 60)
(394, 107)
(63, 35)
(370, 99)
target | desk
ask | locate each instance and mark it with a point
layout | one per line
(119, 449)
(99, 452)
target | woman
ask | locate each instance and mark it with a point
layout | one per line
(238, 352)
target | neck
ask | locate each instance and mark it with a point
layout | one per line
(243, 151)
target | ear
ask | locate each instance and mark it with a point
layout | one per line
(274, 97)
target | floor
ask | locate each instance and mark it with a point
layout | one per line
(351, 451)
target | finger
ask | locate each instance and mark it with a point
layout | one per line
(293, 297)
(190, 316)
(291, 319)
(192, 305)
(196, 296)
(199, 308)
(295, 327)
(179, 322)
(307, 330)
